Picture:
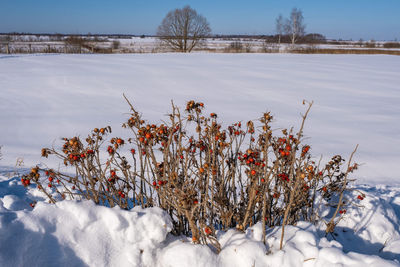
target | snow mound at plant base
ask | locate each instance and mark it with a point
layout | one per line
(72, 233)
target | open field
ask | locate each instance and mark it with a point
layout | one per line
(46, 97)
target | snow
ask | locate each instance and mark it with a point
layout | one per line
(46, 97)
(79, 233)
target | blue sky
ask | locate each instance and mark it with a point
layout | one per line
(346, 19)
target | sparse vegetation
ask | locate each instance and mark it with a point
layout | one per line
(308, 43)
(206, 177)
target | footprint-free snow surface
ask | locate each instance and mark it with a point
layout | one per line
(356, 98)
(46, 97)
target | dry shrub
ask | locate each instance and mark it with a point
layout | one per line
(239, 47)
(205, 176)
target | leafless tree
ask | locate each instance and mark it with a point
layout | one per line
(279, 26)
(75, 42)
(295, 26)
(183, 29)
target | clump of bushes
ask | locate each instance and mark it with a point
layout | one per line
(391, 45)
(206, 176)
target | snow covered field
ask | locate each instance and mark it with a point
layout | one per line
(46, 97)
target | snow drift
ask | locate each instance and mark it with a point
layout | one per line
(72, 233)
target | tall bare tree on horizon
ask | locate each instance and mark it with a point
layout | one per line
(279, 27)
(295, 26)
(183, 29)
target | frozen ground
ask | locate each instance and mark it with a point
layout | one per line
(45, 97)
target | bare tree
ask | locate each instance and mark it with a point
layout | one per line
(75, 42)
(279, 26)
(295, 26)
(183, 29)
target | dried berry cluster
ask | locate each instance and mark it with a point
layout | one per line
(205, 176)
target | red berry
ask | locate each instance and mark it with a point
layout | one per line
(154, 183)
(207, 230)
(51, 179)
(253, 172)
(133, 151)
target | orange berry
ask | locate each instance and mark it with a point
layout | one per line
(207, 230)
